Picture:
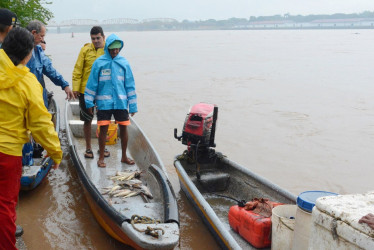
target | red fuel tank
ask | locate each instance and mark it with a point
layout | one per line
(253, 227)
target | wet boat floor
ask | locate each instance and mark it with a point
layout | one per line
(100, 177)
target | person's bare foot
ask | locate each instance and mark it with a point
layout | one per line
(101, 164)
(128, 161)
(368, 219)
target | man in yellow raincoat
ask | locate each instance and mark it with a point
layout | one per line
(82, 69)
(21, 109)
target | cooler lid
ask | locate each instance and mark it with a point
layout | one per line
(306, 200)
(349, 209)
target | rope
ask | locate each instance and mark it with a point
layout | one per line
(136, 219)
(258, 206)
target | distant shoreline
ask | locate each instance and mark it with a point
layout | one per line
(84, 29)
(364, 20)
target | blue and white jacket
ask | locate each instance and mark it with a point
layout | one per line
(111, 82)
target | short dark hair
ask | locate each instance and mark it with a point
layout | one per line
(96, 30)
(18, 44)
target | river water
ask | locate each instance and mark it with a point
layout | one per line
(295, 106)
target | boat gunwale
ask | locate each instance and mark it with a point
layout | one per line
(170, 203)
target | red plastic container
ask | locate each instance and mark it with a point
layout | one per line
(254, 228)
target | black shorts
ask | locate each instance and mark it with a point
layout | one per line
(84, 114)
(120, 115)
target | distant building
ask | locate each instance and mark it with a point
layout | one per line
(271, 24)
(350, 22)
(320, 23)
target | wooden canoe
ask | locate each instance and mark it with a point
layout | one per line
(33, 175)
(221, 182)
(115, 214)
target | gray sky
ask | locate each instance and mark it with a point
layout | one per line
(199, 9)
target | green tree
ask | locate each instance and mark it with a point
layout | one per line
(27, 10)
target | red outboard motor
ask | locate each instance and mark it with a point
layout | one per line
(199, 126)
(199, 131)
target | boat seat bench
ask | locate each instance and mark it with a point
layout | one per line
(30, 170)
(145, 209)
(213, 181)
(76, 127)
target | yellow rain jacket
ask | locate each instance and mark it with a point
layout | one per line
(21, 109)
(82, 68)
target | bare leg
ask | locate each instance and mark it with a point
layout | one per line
(124, 140)
(87, 133)
(102, 139)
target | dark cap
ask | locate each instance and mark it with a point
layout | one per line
(7, 17)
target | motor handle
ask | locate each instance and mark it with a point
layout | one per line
(176, 136)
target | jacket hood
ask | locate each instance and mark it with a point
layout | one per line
(9, 74)
(109, 41)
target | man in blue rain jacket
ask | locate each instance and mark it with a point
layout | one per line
(111, 85)
(40, 64)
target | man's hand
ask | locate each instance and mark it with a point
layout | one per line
(368, 219)
(132, 114)
(56, 166)
(69, 93)
(90, 110)
(76, 94)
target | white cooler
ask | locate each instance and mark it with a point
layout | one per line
(335, 222)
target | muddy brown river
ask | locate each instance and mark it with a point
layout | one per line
(295, 106)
